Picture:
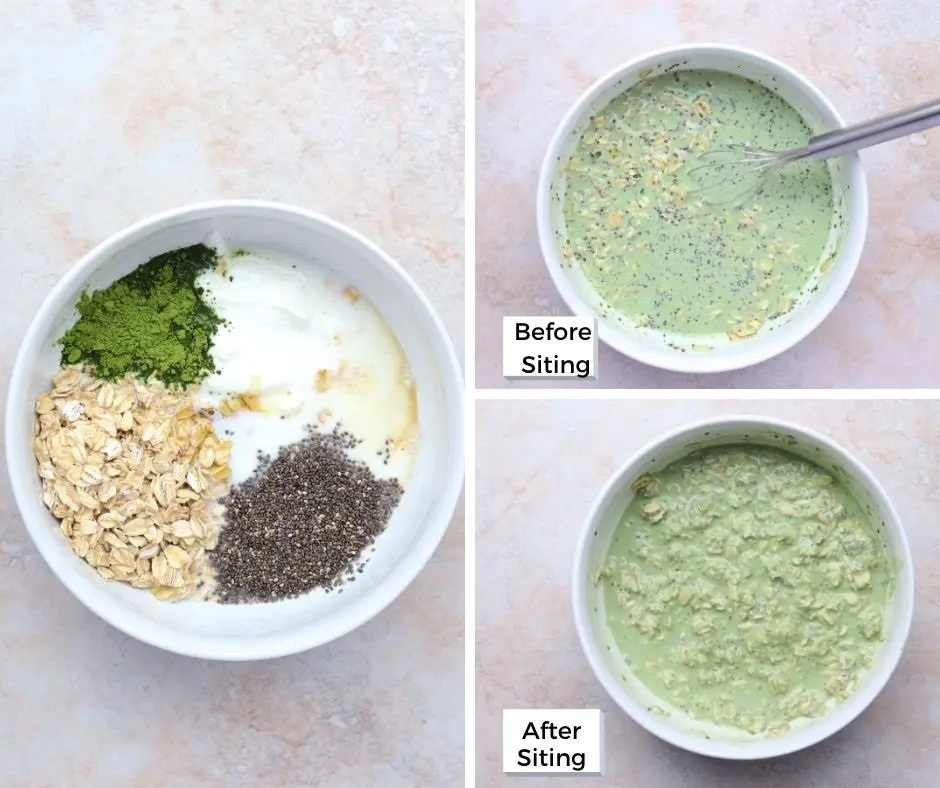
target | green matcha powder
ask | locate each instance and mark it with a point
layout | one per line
(152, 322)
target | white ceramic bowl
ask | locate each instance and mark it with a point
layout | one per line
(847, 234)
(242, 632)
(590, 619)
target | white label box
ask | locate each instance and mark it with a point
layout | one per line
(553, 741)
(541, 348)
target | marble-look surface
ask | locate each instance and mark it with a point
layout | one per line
(114, 110)
(534, 59)
(531, 503)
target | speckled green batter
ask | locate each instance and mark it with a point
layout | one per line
(661, 256)
(747, 587)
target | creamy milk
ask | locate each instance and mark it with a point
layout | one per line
(306, 349)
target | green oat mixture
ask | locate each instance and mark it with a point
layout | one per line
(747, 587)
(152, 322)
(658, 254)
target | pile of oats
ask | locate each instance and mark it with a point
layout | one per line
(133, 474)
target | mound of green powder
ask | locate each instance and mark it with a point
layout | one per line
(154, 321)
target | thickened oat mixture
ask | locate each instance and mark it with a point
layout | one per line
(747, 587)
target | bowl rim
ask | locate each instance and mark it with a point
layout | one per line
(244, 647)
(822, 728)
(759, 349)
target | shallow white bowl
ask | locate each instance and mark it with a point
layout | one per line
(242, 632)
(847, 234)
(601, 650)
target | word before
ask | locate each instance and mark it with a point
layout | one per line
(553, 332)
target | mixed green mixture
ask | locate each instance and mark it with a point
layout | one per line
(658, 254)
(152, 322)
(747, 587)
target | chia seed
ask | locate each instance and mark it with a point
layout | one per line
(302, 521)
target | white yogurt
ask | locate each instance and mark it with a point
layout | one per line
(309, 350)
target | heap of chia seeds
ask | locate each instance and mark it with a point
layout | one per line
(302, 521)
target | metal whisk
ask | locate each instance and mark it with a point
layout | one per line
(751, 168)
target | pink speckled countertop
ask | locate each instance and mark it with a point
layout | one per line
(531, 504)
(114, 110)
(534, 59)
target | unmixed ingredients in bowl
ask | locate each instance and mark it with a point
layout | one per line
(227, 426)
(747, 587)
(655, 253)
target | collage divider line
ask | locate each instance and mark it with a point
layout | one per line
(469, 398)
(759, 395)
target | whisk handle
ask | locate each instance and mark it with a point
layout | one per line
(874, 132)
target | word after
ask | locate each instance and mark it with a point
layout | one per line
(539, 348)
(553, 741)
